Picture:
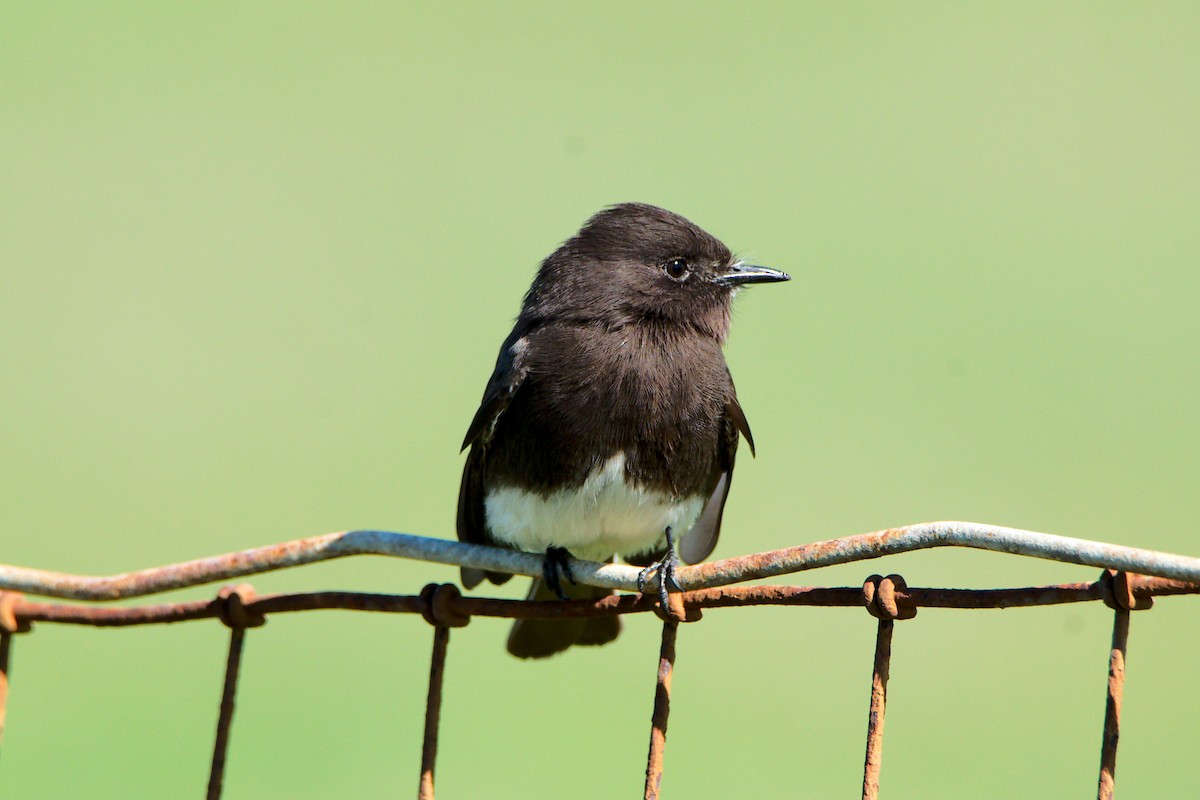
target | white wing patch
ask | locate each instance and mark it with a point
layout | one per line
(605, 515)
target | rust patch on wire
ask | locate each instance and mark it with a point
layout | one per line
(662, 710)
(873, 762)
(433, 711)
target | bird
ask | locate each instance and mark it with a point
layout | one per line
(610, 424)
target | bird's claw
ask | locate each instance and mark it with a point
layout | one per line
(666, 568)
(554, 564)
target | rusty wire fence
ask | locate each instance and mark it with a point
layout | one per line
(1130, 580)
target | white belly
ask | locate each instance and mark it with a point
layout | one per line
(605, 515)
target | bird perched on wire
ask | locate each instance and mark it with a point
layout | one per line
(610, 424)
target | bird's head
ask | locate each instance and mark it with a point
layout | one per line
(634, 262)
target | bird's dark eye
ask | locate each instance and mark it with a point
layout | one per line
(676, 268)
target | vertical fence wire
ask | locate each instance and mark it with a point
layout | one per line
(5, 650)
(231, 605)
(433, 710)
(233, 663)
(881, 597)
(662, 710)
(9, 625)
(1112, 708)
(879, 681)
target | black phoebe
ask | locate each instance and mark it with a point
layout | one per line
(611, 421)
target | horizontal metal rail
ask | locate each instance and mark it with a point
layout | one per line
(614, 576)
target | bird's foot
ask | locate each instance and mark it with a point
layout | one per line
(554, 564)
(666, 568)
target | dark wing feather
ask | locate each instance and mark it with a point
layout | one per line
(734, 414)
(511, 368)
(702, 538)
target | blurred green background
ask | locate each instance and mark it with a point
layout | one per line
(256, 261)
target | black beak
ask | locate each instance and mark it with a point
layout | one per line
(738, 273)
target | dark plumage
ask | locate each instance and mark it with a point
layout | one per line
(611, 414)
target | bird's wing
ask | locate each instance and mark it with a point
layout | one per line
(511, 368)
(702, 538)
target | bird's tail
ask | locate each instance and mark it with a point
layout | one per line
(538, 638)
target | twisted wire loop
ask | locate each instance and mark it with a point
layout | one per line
(231, 608)
(1120, 593)
(437, 604)
(879, 596)
(662, 710)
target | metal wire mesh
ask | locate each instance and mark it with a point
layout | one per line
(888, 599)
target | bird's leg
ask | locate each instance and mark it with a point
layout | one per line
(666, 567)
(554, 563)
